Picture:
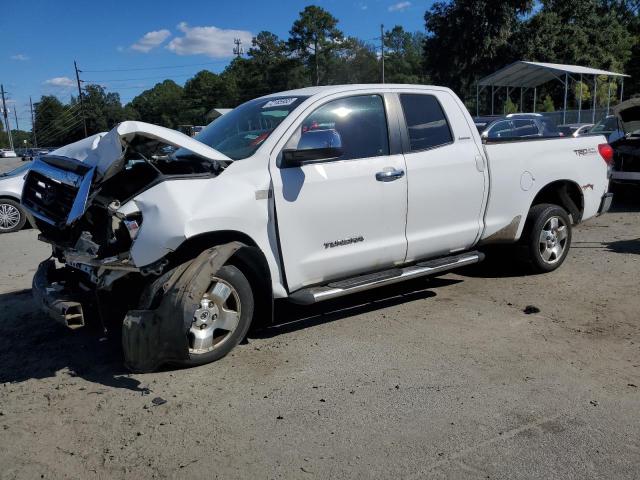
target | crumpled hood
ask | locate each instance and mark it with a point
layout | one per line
(103, 150)
(629, 114)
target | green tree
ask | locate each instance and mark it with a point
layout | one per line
(403, 56)
(103, 110)
(585, 95)
(546, 105)
(579, 32)
(163, 104)
(510, 107)
(50, 116)
(354, 62)
(468, 39)
(269, 68)
(204, 91)
(314, 37)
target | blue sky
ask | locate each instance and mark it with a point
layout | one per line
(41, 38)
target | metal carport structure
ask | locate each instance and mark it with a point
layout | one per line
(527, 75)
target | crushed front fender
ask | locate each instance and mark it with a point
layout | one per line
(154, 337)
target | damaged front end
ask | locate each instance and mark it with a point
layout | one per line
(82, 197)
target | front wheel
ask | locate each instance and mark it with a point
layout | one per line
(547, 236)
(222, 318)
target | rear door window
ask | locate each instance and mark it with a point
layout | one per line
(525, 128)
(426, 122)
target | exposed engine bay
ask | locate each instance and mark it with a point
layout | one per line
(78, 200)
(82, 199)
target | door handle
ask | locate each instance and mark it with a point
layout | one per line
(389, 175)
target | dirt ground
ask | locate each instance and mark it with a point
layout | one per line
(439, 378)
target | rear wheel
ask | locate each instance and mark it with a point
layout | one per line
(12, 216)
(547, 236)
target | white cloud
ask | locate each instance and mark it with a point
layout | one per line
(151, 40)
(211, 41)
(399, 7)
(21, 57)
(64, 82)
(363, 6)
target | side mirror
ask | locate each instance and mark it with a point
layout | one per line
(314, 145)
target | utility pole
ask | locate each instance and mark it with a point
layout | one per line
(238, 50)
(6, 118)
(15, 114)
(315, 54)
(84, 119)
(33, 125)
(382, 49)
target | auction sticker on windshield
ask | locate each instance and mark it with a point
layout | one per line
(281, 102)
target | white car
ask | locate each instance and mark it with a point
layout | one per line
(575, 129)
(305, 195)
(12, 214)
(5, 153)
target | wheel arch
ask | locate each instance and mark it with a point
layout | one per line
(250, 259)
(564, 193)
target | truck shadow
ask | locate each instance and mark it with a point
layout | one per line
(291, 317)
(626, 198)
(623, 246)
(500, 262)
(34, 347)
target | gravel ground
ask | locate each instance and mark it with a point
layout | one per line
(440, 378)
(7, 164)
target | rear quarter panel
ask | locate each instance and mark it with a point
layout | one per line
(519, 170)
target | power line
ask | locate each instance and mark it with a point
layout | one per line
(59, 128)
(216, 62)
(91, 80)
(61, 119)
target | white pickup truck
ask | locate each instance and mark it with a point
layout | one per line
(307, 195)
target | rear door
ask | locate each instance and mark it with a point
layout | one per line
(343, 216)
(447, 176)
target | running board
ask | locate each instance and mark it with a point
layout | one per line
(310, 295)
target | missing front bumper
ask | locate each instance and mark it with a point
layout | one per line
(51, 296)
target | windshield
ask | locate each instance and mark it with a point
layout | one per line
(239, 133)
(16, 171)
(606, 125)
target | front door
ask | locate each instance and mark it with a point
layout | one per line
(342, 216)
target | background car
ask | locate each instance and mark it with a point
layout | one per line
(6, 153)
(521, 126)
(12, 215)
(610, 127)
(483, 121)
(575, 129)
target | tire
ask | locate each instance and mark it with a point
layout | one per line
(545, 252)
(242, 300)
(12, 216)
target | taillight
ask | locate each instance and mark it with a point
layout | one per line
(606, 152)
